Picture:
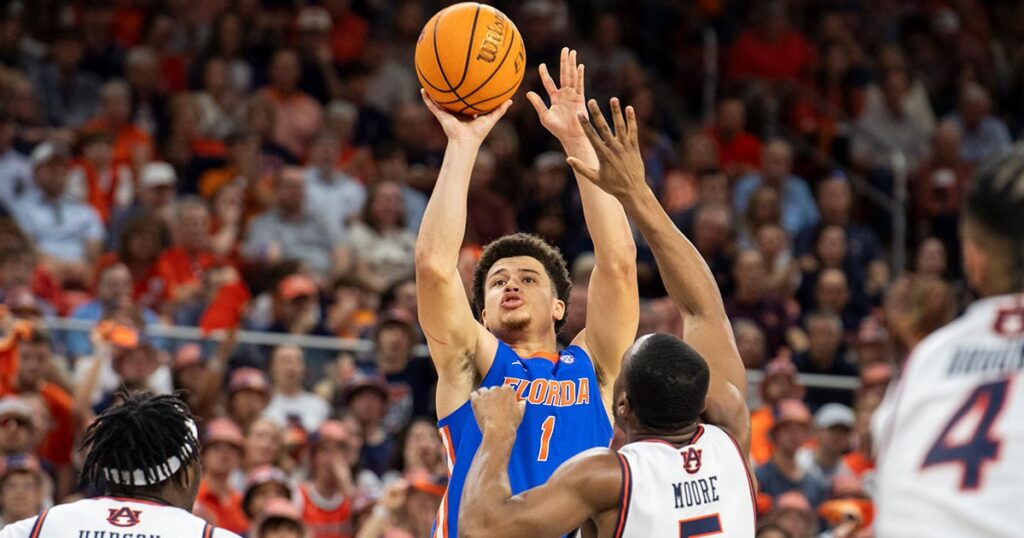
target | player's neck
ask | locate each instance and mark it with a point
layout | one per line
(677, 438)
(527, 345)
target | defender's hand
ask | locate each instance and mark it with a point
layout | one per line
(465, 128)
(621, 170)
(566, 102)
(497, 410)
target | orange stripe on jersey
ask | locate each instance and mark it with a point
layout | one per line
(38, 527)
(208, 531)
(449, 448)
(553, 357)
(442, 518)
(627, 493)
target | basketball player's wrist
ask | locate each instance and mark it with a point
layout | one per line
(498, 434)
(576, 145)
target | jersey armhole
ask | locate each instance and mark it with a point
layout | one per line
(745, 460)
(626, 494)
(38, 527)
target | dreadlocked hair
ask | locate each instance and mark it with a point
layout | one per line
(523, 244)
(140, 435)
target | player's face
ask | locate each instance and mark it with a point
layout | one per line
(519, 295)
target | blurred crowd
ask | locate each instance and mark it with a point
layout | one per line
(263, 165)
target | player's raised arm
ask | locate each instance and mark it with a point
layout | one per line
(613, 306)
(448, 323)
(583, 487)
(687, 277)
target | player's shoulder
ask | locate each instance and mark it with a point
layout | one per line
(221, 533)
(19, 529)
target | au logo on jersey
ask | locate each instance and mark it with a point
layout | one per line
(123, 517)
(691, 460)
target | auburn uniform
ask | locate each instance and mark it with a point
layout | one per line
(112, 517)
(701, 489)
(950, 432)
(564, 416)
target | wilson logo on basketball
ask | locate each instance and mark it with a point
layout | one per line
(123, 517)
(691, 460)
(493, 39)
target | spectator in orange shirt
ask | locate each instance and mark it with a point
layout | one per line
(35, 371)
(739, 151)
(298, 116)
(773, 50)
(780, 382)
(222, 455)
(132, 145)
(349, 33)
(182, 266)
(327, 497)
(97, 180)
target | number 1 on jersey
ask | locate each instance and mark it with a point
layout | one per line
(546, 430)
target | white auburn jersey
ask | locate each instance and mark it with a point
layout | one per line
(114, 517)
(950, 432)
(701, 489)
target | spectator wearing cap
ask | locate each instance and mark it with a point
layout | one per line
(17, 426)
(407, 508)
(327, 497)
(751, 301)
(183, 265)
(794, 514)
(779, 383)
(35, 374)
(331, 193)
(114, 290)
(280, 519)
(122, 359)
(739, 151)
(68, 94)
(95, 178)
(291, 230)
(367, 400)
(298, 308)
(248, 395)
(65, 232)
(22, 484)
(15, 167)
(799, 211)
(290, 403)
(154, 199)
(825, 355)
(833, 425)
(782, 473)
(132, 144)
(262, 485)
(410, 380)
(298, 115)
(222, 456)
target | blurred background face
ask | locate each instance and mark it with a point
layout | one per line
(711, 230)
(386, 205)
(835, 199)
(764, 206)
(117, 105)
(732, 116)
(393, 347)
(789, 436)
(832, 292)
(423, 448)
(324, 152)
(216, 78)
(263, 443)
(220, 458)
(325, 454)
(368, 406)
(831, 248)
(134, 366)
(114, 288)
(247, 405)
(422, 508)
(291, 190)
(15, 434)
(835, 440)
(750, 272)
(751, 344)
(192, 229)
(287, 367)
(776, 161)
(17, 270)
(284, 71)
(21, 495)
(772, 241)
(51, 176)
(33, 361)
(824, 337)
(931, 258)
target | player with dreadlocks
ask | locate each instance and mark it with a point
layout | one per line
(950, 432)
(143, 460)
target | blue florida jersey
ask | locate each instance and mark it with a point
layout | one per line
(564, 416)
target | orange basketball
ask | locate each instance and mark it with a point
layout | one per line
(470, 58)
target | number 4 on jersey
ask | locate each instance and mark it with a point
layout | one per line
(988, 399)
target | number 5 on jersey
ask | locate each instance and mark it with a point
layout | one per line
(546, 430)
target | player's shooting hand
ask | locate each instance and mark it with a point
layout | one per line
(497, 410)
(566, 102)
(621, 170)
(461, 128)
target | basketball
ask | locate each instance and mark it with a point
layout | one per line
(470, 58)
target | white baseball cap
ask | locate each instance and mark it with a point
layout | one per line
(49, 150)
(157, 174)
(834, 414)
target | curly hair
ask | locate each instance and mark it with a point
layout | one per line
(522, 244)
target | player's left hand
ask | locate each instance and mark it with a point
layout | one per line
(497, 410)
(566, 102)
(621, 170)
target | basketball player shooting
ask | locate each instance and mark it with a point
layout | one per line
(677, 475)
(521, 290)
(143, 460)
(950, 433)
